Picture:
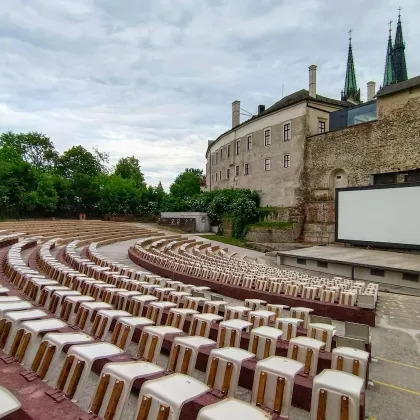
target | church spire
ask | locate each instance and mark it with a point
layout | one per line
(398, 55)
(389, 78)
(350, 86)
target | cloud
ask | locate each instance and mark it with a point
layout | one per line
(156, 78)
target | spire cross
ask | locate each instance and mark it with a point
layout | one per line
(350, 31)
(399, 12)
(390, 23)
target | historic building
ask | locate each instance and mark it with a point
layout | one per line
(297, 151)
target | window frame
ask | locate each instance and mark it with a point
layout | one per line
(288, 160)
(289, 131)
(216, 177)
(320, 122)
(266, 144)
(227, 173)
(246, 168)
(228, 151)
(267, 160)
(249, 142)
(238, 147)
(220, 175)
(221, 154)
(237, 170)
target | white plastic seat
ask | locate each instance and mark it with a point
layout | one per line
(177, 316)
(57, 299)
(277, 309)
(236, 312)
(301, 313)
(78, 365)
(263, 341)
(192, 302)
(201, 324)
(273, 384)
(289, 327)
(9, 299)
(231, 408)
(86, 311)
(323, 332)
(115, 384)
(305, 350)
(156, 309)
(336, 395)
(350, 360)
(213, 306)
(224, 368)
(50, 350)
(11, 323)
(178, 297)
(47, 292)
(9, 404)
(29, 336)
(71, 305)
(138, 303)
(124, 330)
(123, 299)
(230, 332)
(163, 398)
(184, 353)
(163, 292)
(255, 304)
(102, 322)
(261, 318)
(151, 341)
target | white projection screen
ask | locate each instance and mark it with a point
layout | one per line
(382, 215)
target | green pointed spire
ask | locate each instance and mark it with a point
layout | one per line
(350, 86)
(398, 55)
(389, 78)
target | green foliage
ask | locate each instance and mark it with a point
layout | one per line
(129, 168)
(187, 184)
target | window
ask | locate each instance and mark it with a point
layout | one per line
(212, 177)
(301, 261)
(249, 143)
(227, 173)
(267, 164)
(267, 137)
(237, 171)
(216, 176)
(220, 175)
(238, 146)
(287, 132)
(322, 264)
(221, 155)
(246, 169)
(410, 277)
(228, 151)
(377, 272)
(212, 159)
(286, 161)
(321, 126)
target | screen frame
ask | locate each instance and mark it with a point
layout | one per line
(371, 243)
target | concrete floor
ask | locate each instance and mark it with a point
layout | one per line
(394, 392)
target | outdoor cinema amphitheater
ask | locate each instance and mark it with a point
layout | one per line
(131, 321)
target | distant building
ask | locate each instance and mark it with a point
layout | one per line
(296, 152)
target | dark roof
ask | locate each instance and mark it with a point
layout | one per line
(292, 99)
(398, 87)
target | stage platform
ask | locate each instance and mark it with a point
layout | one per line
(393, 268)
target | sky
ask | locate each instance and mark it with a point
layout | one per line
(156, 78)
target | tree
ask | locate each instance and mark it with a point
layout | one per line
(32, 147)
(187, 184)
(129, 168)
(78, 160)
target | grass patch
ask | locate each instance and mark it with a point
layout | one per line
(271, 225)
(228, 241)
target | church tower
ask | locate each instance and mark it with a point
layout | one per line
(350, 93)
(398, 55)
(389, 77)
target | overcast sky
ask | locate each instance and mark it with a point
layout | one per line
(156, 78)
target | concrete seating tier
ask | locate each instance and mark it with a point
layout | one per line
(236, 278)
(160, 391)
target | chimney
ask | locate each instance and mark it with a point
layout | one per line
(371, 87)
(236, 109)
(261, 108)
(312, 81)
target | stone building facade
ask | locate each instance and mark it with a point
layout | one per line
(386, 150)
(266, 152)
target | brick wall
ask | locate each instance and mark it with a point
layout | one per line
(270, 235)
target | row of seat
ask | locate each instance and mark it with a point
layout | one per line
(254, 276)
(145, 346)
